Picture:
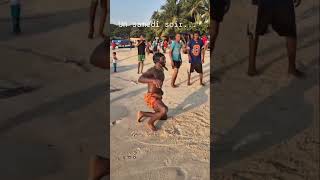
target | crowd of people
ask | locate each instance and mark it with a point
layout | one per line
(186, 43)
(190, 44)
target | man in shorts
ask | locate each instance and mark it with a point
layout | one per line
(141, 54)
(93, 10)
(280, 14)
(196, 57)
(220, 8)
(175, 56)
(154, 77)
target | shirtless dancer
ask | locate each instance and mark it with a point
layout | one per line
(154, 77)
(93, 10)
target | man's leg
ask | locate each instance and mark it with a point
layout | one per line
(201, 79)
(189, 78)
(160, 111)
(139, 66)
(142, 114)
(291, 50)
(142, 64)
(174, 77)
(93, 9)
(253, 46)
(103, 18)
(215, 31)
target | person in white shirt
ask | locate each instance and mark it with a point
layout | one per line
(114, 61)
(15, 14)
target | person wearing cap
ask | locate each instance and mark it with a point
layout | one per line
(154, 77)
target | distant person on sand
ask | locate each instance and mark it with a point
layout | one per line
(114, 61)
(141, 53)
(15, 6)
(281, 15)
(175, 57)
(113, 44)
(196, 57)
(165, 46)
(155, 46)
(93, 10)
(154, 77)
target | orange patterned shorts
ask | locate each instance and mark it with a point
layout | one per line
(150, 99)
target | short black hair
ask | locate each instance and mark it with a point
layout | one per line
(157, 56)
(114, 53)
(196, 32)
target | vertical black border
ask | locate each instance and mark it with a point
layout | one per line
(211, 92)
(107, 120)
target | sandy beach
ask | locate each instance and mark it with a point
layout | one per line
(181, 144)
(50, 131)
(266, 127)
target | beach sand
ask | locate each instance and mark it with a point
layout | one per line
(180, 146)
(266, 127)
(51, 131)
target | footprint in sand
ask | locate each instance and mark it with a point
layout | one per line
(167, 173)
(117, 113)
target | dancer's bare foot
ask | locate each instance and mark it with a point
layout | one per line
(174, 86)
(151, 126)
(202, 84)
(189, 84)
(98, 168)
(139, 116)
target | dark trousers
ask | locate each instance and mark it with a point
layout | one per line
(15, 14)
(114, 67)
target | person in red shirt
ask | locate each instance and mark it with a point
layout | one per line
(204, 39)
(113, 44)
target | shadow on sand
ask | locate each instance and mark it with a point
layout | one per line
(41, 23)
(60, 106)
(275, 120)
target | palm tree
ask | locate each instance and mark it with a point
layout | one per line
(192, 13)
(201, 11)
(168, 13)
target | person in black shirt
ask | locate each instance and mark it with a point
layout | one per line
(141, 54)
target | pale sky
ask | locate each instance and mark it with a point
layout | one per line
(133, 11)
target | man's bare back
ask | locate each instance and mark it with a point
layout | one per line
(154, 77)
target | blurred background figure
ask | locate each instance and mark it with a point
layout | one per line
(15, 6)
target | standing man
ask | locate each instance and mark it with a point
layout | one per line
(175, 57)
(141, 54)
(281, 16)
(220, 8)
(196, 57)
(15, 14)
(93, 10)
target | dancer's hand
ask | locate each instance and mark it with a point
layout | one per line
(158, 83)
